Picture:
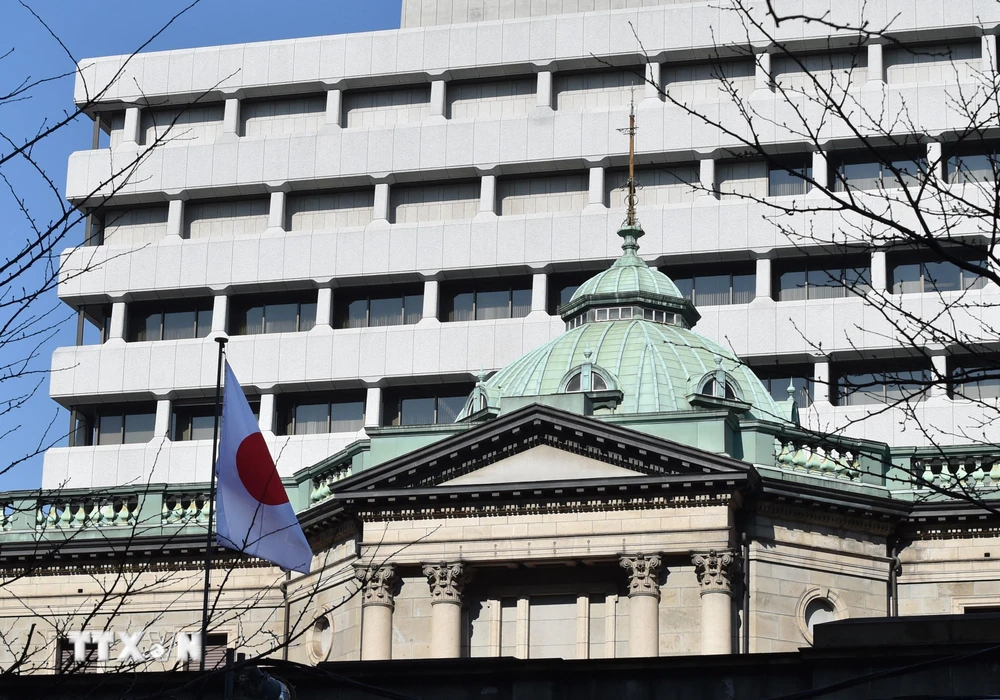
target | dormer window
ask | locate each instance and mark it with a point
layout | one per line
(575, 383)
(711, 388)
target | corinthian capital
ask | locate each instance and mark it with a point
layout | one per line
(643, 574)
(447, 582)
(716, 571)
(377, 584)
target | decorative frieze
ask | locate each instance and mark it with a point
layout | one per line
(377, 584)
(643, 574)
(446, 581)
(716, 571)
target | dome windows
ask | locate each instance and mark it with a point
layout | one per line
(624, 313)
(575, 383)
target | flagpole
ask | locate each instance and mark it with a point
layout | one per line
(221, 340)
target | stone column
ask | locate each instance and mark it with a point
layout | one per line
(543, 90)
(762, 279)
(161, 424)
(939, 360)
(989, 54)
(820, 172)
(643, 604)
(430, 309)
(936, 161)
(175, 218)
(377, 602)
(716, 573)
(220, 313)
(539, 292)
(707, 178)
(446, 582)
(879, 272)
(373, 407)
(595, 189)
(324, 307)
(118, 313)
(276, 212)
(439, 99)
(381, 212)
(266, 419)
(762, 72)
(876, 70)
(231, 116)
(823, 392)
(653, 82)
(488, 195)
(133, 119)
(334, 106)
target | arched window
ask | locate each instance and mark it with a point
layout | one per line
(576, 382)
(710, 388)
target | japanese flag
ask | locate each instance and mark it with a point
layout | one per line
(253, 512)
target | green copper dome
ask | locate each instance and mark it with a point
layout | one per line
(628, 274)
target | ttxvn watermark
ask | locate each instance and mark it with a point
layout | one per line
(137, 647)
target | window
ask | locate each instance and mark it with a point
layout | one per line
(115, 425)
(870, 383)
(365, 308)
(863, 173)
(823, 278)
(976, 379)
(916, 273)
(275, 314)
(738, 287)
(575, 383)
(315, 414)
(66, 661)
(483, 301)
(423, 406)
(181, 320)
(711, 389)
(97, 326)
(742, 179)
(786, 178)
(195, 420)
(777, 379)
(625, 313)
(215, 653)
(562, 286)
(973, 165)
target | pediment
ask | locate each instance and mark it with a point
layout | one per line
(540, 464)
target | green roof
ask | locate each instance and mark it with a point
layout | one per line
(629, 274)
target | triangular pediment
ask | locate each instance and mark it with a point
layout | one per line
(540, 464)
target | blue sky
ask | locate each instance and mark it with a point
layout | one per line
(110, 27)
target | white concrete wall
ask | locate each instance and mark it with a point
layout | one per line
(274, 117)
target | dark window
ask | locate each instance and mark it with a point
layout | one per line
(115, 425)
(195, 420)
(482, 301)
(873, 383)
(562, 286)
(66, 661)
(973, 165)
(215, 653)
(423, 405)
(278, 313)
(716, 286)
(976, 379)
(777, 379)
(864, 172)
(914, 273)
(313, 414)
(178, 321)
(368, 308)
(97, 326)
(822, 278)
(786, 178)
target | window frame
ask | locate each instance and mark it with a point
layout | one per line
(242, 305)
(876, 370)
(886, 159)
(731, 273)
(288, 405)
(343, 298)
(922, 260)
(476, 288)
(197, 307)
(393, 397)
(92, 422)
(823, 263)
(803, 165)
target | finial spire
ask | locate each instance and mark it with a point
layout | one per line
(630, 219)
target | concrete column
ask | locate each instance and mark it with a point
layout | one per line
(595, 191)
(276, 212)
(939, 360)
(654, 84)
(707, 178)
(266, 418)
(175, 218)
(381, 202)
(496, 622)
(373, 407)
(876, 69)
(446, 582)
(989, 55)
(643, 604)
(820, 171)
(378, 599)
(523, 621)
(610, 628)
(431, 296)
(762, 71)
(324, 307)
(935, 161)
(763, 277)
(583, 627)
(716, 571)
(539, 291)
(879, 272)
(488, 194)
(334, 107)
(543, 91)
(133, 120)
(439, 98)
(231, 117)
(220, 313)
(161, 424)
(822, 390)
(118, 312)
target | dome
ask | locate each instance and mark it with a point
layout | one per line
(628, 275)
(656, 366)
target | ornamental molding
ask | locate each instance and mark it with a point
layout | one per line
(446, 581)
(378, 584)
(815, 516)
(643, 574)
(716, 571)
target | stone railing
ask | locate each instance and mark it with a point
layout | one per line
(322, 483)
(976, 473)
(185, 509)
(817, 457)
(74, 513)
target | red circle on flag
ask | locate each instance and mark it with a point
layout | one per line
(257, 472)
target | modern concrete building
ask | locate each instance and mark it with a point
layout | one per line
(403, 229)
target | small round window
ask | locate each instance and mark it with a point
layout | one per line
(816, 606)
(818, 611)
(320, 639)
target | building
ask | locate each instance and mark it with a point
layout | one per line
(409, 238)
